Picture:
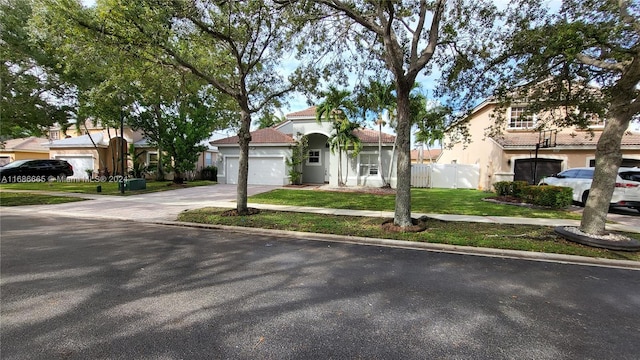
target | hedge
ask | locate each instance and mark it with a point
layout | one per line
(551, 196)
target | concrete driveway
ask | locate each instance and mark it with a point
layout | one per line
(164, 205)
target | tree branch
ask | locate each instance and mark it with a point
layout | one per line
(587, 60)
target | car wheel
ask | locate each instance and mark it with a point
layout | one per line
(61, 177)
(585, 196)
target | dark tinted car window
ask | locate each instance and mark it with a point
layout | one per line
(630, 175)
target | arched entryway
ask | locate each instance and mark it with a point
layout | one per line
(315, 170)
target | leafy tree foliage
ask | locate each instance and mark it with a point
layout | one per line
(33, 95)
(233, 46)
(577, 64)
(407, 37)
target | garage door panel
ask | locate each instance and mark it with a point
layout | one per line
(262, 171)
(80, 165)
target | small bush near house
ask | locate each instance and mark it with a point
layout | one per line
(553, 196)
(209, 173)
(510, 188)
(556, 197)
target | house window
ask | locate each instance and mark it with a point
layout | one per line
(518, 119)
(313, 157)
(54, 134)
(152, 161)
(368, 164)
(208, 159)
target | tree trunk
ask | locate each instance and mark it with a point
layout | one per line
(340, 183)
(608, 160)
(622, 108)
(402, 215)
(244, 137)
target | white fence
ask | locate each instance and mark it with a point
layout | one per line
(450, 176)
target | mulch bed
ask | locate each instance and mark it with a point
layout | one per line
(364, 190)
(234, 212)
(419, 225)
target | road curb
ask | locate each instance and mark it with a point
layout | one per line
(402, 244)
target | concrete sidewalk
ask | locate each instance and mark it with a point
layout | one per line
(166, 206)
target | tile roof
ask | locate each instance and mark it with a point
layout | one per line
(415, 155)
(25, 144)
(309, 112)
(80, 141)
(582, 139)
(261, 136)
(371, 136)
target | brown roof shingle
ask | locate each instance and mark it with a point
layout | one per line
(25, 144)
(582, 138)
(309, 112)
(261, 136)
(371, 136)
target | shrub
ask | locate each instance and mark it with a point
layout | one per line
(510, 188)
(209, 173)
(551, 196)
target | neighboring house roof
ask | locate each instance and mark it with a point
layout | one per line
(309, 112)
(79, 141)
(32, 144)
(575, 139)
(435, 153)
(262, 136)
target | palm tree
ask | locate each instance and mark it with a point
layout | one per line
(335, 108)
(378, 97)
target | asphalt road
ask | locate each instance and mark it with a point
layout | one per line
(91, 289)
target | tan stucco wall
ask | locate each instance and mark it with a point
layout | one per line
(480, 150)
(24, 155)
(497, 164)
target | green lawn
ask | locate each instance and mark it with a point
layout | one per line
(108, 188)
(18, 199)
(514, 237)
(441, 201)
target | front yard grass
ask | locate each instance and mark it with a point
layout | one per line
(514, 237)
(108, 188)
(18, 199)
(440, 201)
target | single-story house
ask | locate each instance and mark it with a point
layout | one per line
(23, 149)
(512, 154)
(271, 147)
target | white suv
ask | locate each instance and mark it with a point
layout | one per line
(626, 193)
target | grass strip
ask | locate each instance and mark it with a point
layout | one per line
(19, 199)
(107, 188)
(440, 201)
(513, 237)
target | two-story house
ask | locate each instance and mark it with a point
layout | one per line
(512, 155)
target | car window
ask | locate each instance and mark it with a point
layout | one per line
(568, 174)
(14, 164)
(630, 175)
(585, 174)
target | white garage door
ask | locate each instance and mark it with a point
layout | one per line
(262, 171)
(80, 165)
